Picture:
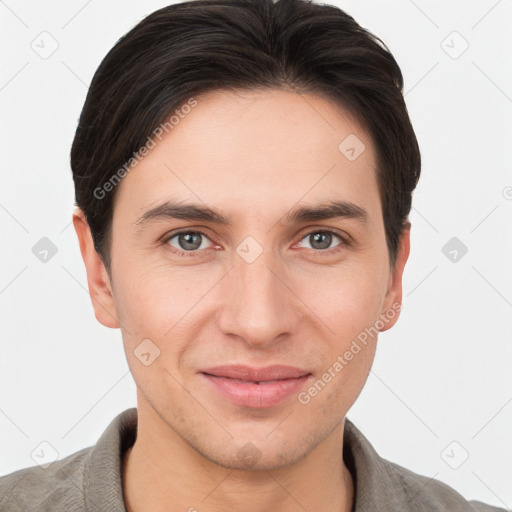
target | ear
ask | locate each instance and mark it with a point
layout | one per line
(100, 287)
(393, 299)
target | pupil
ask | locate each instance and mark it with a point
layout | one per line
(324, 238)
(187, 241)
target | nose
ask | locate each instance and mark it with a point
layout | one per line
(257, 304)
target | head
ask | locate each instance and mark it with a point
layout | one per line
(244, 173)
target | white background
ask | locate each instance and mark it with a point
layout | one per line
(442, 374)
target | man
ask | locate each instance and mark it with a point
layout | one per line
(243, 173)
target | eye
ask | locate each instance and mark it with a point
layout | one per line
(191, 243)
(321, 240)
(187, 241)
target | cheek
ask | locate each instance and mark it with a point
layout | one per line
(343, 380)
(155, 327)
(148, 296)
(349, 352)
(163, 306)
(346, 300)
(348, 306)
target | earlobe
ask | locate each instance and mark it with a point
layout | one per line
(393, 301)
(98, 281)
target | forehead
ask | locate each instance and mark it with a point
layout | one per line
(250, 150)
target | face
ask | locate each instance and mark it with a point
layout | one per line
(272, 284)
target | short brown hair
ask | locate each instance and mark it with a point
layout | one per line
(199, 46)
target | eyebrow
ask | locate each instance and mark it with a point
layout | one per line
(197, 212)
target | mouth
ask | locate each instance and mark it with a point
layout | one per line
(247, 381)
(256, 388)
(250, 374)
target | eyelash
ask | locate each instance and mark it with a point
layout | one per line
(345, 241)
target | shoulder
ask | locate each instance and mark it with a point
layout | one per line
(384, 485)
(57, 487)
(89, 479)
(427, 493)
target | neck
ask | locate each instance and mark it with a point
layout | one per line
(162, 472)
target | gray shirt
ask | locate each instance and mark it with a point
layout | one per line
(90, 479)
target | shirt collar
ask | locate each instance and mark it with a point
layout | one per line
(103, 485)
(375, 485)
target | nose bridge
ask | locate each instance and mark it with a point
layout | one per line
(257, 305)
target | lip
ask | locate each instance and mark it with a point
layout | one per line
(256, 387)
(251, 374)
